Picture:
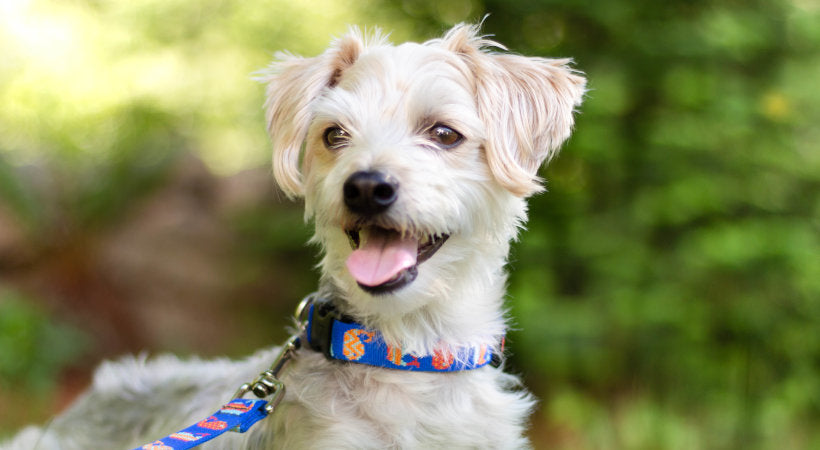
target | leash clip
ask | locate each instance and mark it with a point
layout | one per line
(268, 384)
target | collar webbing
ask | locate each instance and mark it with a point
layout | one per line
(340, 338)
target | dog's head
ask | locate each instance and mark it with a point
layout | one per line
(417, 153)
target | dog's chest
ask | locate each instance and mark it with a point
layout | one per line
(336, 405)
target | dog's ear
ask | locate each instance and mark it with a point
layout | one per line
(527, 104)
(293, 83)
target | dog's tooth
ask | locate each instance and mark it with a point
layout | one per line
(353, 239)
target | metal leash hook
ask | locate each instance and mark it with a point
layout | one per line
(267, 384)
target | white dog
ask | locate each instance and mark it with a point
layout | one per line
(414, 162)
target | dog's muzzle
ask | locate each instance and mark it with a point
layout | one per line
(383, 259)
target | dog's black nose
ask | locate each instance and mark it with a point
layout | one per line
(369, 192)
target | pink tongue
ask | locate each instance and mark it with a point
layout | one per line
(382, 257)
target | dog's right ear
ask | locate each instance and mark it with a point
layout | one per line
(294, 83)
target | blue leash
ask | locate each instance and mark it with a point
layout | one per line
(238, 415)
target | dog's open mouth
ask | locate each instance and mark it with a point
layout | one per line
(385, 260)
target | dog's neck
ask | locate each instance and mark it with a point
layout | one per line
(465, 310)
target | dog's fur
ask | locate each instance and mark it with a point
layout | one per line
(513, 113)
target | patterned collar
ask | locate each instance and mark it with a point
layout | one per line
(340, 338)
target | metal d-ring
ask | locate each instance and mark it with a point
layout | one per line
(303, 309)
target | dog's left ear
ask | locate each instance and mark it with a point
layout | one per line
(293, 84)
(526, 103)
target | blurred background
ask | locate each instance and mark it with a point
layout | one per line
(665, 295)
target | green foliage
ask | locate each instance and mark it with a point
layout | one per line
(17, 195)
(33, 347)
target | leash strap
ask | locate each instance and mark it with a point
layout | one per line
(238, 415)
(345, 340)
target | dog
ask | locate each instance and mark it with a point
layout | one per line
(414, 162)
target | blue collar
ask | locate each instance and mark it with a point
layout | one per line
(339, 337)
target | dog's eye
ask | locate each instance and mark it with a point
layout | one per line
(445, 136)
(335, 138)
